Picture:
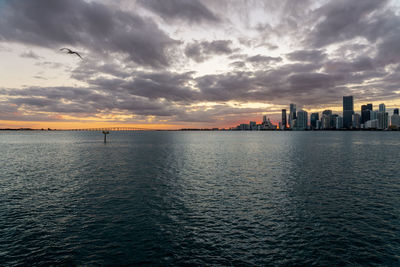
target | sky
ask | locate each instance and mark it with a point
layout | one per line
(170, 64)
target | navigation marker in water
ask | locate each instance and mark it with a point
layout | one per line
(105, 135)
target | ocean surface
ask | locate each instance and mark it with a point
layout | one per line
(200, 198)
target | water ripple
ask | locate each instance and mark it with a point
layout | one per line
(200, 198)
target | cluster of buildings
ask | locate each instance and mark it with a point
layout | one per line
(253, 126)
(368, 118)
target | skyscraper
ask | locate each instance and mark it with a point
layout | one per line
(327, 112)
(383, 118)
(382, 108)
(396, 111)
(356, 121)
(253, 125)
(366, 113)
(292, 115)
(302, 120)
(332, 121)
(326, 119)
(338, 122)
(313, 120)
(348, 111)
(373, 115)
(318, 127)
(284, 123)
(395, 120)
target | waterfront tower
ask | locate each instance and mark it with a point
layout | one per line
(348, 111)
(292, 115)
(313, 120)
(302, 120)
(284, 122)
(366, 113)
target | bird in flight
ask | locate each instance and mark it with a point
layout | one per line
(69, 51)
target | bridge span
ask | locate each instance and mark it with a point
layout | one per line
(110, 129)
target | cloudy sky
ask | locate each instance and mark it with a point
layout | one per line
(170, 64)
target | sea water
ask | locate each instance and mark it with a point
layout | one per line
(199, 198)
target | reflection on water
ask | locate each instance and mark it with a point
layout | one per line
(206, 198)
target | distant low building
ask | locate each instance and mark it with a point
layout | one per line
(395, 121)
(244, 127)
(267, 125)
(253, 126)
(373, 115)
(318, 125)
(371, 124)
(325, 122)
(338, 122)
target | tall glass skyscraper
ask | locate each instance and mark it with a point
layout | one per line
(292, 115)
(348, 111)
(382, 108)
(366, 112)
(302, 120)
(313, 120)
(284, 123)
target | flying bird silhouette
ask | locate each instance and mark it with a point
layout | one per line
(69, 51)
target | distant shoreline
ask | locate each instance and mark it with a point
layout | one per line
(207, 130)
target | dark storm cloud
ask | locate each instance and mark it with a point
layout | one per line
(93, 26)
(90, 68)
(238, 64)
(84, 101)
(306, 82)
(200, 51)
(168, 93)
(170, 86)
(373, 21)
(262, 61)
(389, 50)
(189, 10)
(357, 65)
(57, 99)
(307, 55)
(152, 85)
(142, 106)
(344, 20)
(40, 102)
(276, 84)
(217, 113)
(224, 87)
(281, 85)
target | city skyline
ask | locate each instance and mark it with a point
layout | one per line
(173, 64)
(348, 119)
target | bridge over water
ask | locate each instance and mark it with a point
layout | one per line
(110, 129)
